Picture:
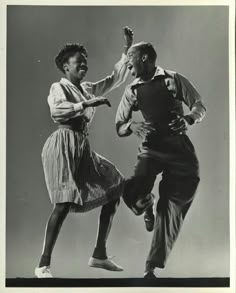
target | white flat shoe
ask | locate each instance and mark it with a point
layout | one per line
(43, 272)
(105, 264)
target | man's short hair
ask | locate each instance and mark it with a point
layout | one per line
(68, 51)
(147, 48)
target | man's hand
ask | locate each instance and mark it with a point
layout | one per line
(180, 124)
(141, 129)
(128, 37)
(95, 102)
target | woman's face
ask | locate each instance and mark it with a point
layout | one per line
(76, 66)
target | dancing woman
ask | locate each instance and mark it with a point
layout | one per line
(77, 178)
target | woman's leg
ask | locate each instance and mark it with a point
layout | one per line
(99, 258)
(104, 226)
(53, 227)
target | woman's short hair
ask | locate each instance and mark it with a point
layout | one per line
(68, 51)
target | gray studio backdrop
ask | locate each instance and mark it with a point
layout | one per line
(190, 40)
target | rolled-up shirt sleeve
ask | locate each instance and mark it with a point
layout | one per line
(105, 85)
(191, 98)
(61, 109)
(124, 113)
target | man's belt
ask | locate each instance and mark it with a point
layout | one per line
(163, 129)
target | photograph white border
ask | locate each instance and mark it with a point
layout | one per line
(3, 7)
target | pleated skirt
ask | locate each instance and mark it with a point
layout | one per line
(76, 174)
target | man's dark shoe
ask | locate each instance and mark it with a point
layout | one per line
(149, 219)
(149, 275)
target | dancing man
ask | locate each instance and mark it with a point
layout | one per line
(165, 149)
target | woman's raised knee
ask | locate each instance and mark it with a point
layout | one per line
(62, 208)
(111, 207)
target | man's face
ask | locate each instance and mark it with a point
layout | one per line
(76, 66)
(135, 65)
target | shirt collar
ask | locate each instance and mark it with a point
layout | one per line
(159, 71)
(66, 81)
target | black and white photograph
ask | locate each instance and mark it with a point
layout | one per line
(119, 160)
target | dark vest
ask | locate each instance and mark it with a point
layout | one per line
(156, 103)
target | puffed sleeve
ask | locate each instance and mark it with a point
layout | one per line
(191, 98)
(124, 113)
(61, 109)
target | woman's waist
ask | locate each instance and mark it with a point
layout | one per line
(79, 124)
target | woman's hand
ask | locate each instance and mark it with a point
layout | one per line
(95, 102)
(128, 37)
